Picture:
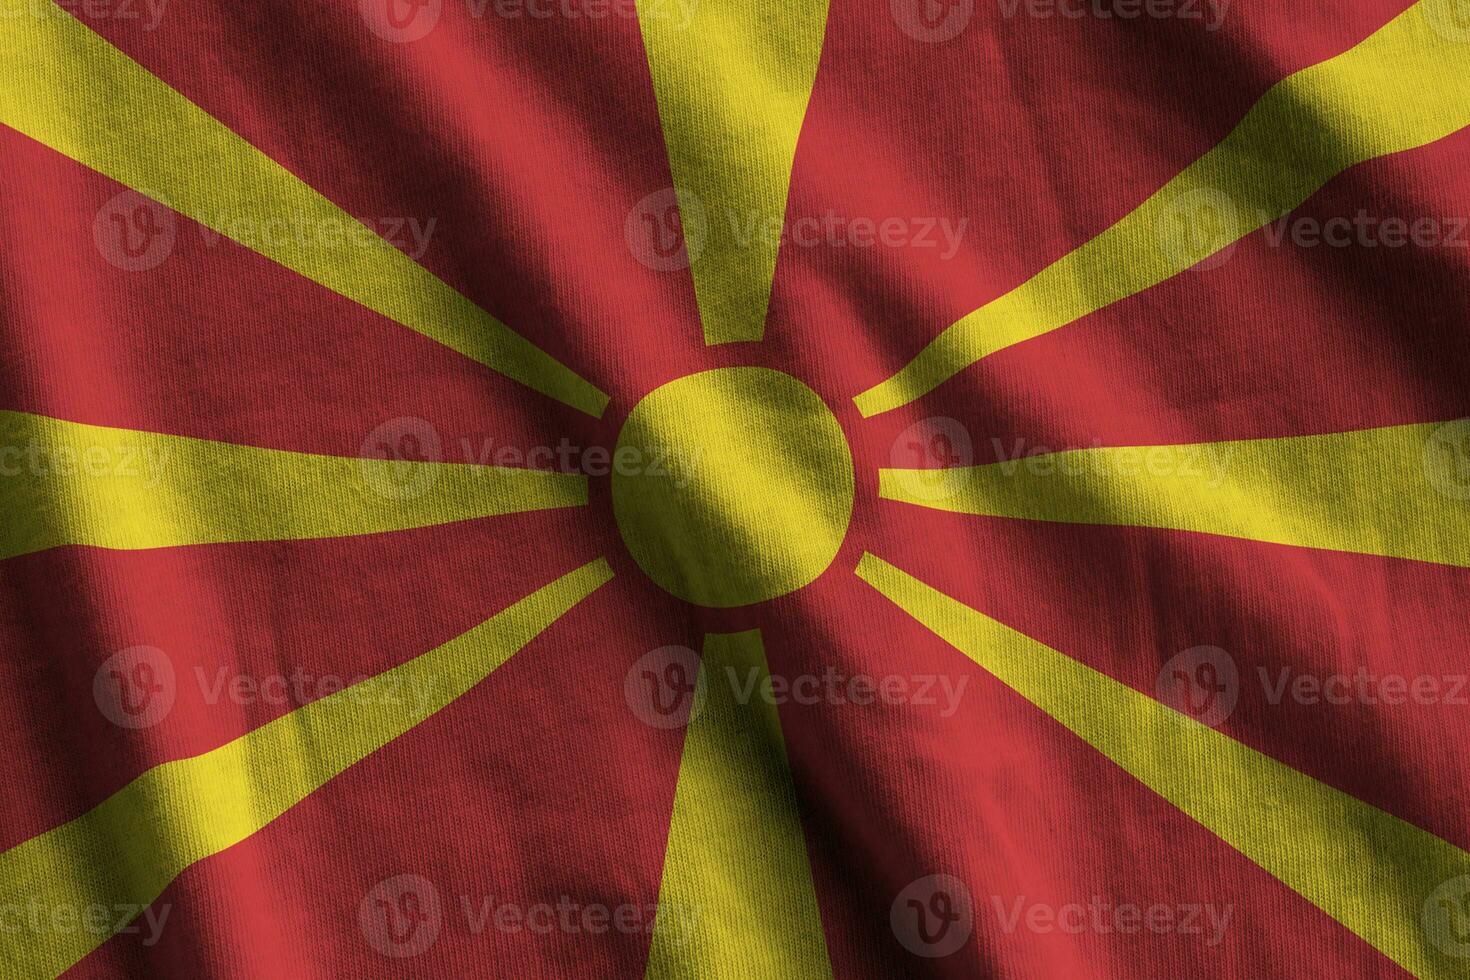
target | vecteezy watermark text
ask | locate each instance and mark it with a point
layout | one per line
(667, 688)
(405, 21)
(147, 13)
(406, 443)
(835, 230)
(934, 916)
(403, 916)
(1207, 684)
(43, 921)
(145, 463)
(137, 232)
(138, 687)
(1202, 228)
(1207, 463)
(1211, 12)
(1103, 917)
(668, 230)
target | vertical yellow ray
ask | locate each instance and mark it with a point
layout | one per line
(732, 79)
(1391, 491)
(1403, 87)
(66, 483)
(1367, 869)
(63, 85)
(129, 848)
(737, 899)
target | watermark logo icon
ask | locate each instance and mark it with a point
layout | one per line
(135, 688)
(134, 233)
(667, 230)
(1198, 230)
(665, 687)
(401, 21)
(933, 916)
(401, 916)
(1202, 682)
(924, 449)
(1447, 459)
(1446, 917)
(932, 21)
(405, 444)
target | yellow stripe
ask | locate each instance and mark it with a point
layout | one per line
(64, 86)
(1403, 87)
(1369, 870)
(129, 848)
(732, 79)
(63, 483)
(1393, 491)
(737, 899)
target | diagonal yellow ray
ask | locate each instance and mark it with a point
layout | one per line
(1405, 86)
(63, 85)
(64, 483)
(1391, 491)
(737, 898)
(1366, 868)
(732, 79)
(129, 848)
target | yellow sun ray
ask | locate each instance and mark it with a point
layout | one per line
(737, 898)
(125, 851)
(1393, 491)
(732, 80)
(65, 86)
(64, 483)
(1367, 869)
(1405, 86)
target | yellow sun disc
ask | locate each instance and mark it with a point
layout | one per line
(732, 486)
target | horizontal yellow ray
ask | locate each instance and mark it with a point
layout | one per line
(125, 851)
(1366, 868)
(737, 898)
(1387, 491)
(1405, 86)
(64, 483)
(732, 79)
(63, 85)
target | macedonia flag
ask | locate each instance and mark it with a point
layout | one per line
(728, 488)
